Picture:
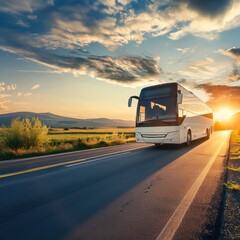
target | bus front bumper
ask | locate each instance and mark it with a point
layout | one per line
(163, 138)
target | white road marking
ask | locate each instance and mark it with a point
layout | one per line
(96, 159)
(175, 220)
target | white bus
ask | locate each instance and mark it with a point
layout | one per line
(170, 114)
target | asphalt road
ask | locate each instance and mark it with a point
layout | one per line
(123, 192)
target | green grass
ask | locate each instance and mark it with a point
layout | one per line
(234, 156)
(234, 169)
(95, 130)
(235, 145)
(232, 186)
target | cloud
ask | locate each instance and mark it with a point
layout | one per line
(3, 105)
(17, 7)
(203, 19)
(3, 101)
(235, 75)
(222, 96)
(234, 53)
(35, 86)
(210, 8)
(206, 70)
(4, 95)
(116, 23)
(39, 71)
(22, 23)
(186, 50)
(4, 87)
(20, 94)
(26, 94)
(128, 70)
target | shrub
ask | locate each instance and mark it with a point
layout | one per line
(24, 133)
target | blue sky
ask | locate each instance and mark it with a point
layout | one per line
(85, 58)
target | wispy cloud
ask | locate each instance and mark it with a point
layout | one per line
(35, 86)
(207, 70)
(123, 70)
(186, 50)
(3, 105)
(22, 23)
(3, 101)
(27, 94)
(222, 95)
(17, 7)
(234, 53)
(39, 71)
(6, 88)
(20, 94)
(4, 95)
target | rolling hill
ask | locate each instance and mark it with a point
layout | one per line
(57, 121)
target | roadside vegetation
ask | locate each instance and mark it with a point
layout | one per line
(234, 161)
(231, 220)
(29, 137)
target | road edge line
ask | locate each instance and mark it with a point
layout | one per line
(175, 220)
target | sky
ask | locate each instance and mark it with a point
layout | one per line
(85, 58)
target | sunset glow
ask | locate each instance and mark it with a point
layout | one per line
(223, 114)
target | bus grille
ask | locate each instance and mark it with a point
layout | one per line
(154, 135)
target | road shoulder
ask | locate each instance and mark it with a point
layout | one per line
(231, 198)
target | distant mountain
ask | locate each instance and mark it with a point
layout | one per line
(228, 124)
(57, 121)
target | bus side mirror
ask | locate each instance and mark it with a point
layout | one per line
(130, 100)
(180, 98)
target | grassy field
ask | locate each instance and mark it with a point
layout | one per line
(90, 136)
(73, 134)
(60, 140)
(59, 133)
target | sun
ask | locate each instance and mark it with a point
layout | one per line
(223, 114)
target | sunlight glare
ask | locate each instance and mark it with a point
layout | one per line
(223, 114)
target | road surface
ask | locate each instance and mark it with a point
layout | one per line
(123, 192)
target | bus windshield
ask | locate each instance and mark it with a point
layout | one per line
(160, 111)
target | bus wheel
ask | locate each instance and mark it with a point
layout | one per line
(208, 133)
(189, 138)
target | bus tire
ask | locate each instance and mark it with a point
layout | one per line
(207, 133)
(189, 138)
